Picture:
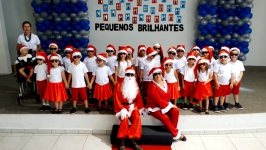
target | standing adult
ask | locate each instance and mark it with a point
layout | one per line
(159, 105)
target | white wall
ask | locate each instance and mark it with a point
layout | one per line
(15, 12)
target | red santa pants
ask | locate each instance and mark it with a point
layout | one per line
(170, 119)
(235, 89)
(79, 91)
(134, 131)
(41, 88)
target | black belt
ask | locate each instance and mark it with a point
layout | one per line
(128, 103)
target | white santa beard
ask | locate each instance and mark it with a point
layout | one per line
(130, 88)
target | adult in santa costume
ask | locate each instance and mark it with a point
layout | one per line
(159, 105)
(128, 106)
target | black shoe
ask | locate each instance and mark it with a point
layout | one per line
(200, 110)
(47, 108)
(190, 106)
(238, 106)
(222, 108)
(122, 145)
(216, 109)
(184, 138)
(60, 111)
(55, 112)
(185, 106)
(87, 110)
(42, 108)
(73, 110)
(135, 145)
(226, 106)
(207, 112)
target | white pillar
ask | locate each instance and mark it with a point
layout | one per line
(5, 64)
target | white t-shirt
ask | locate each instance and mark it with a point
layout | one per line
(60, 58)
(66, 62)
(122, 68)
(111, 63)
(188, 73)
(77, 72)
(223, 73)
(204, 76)
(32, 44)
(139, 61)
(56, 74)
(25, 58)
(237, 68)
(212, 64)
(41, 72)
(102, 74)
(170, 77)
(146, 66)
(90, 63)
(157, 58)
(181, 62)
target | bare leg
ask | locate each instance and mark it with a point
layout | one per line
(60, 106)
(226, 99)
(236, 98)
(56, 105)
(86, 103)
(222, 100)
(185, 99)
(216, 99)
(74, 104)
(200, 104)
(207, 103)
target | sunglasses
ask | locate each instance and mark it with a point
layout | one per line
(168, 65)
(67, 52)
(157, 48)
(222, 57)
(122, 53)
(191, 59)
(99, 60)
(195, 50)
(234, 54)
(109, 51)
(52, 61)
(90, 51)
(204, 53)
(129, 74)
(128, 54)
(76, 57)
(180, 51)
(53, 49)
(157, 73)
(38, 59)
(171, 53)
(153, 55)
(203, 64)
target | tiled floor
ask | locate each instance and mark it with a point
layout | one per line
(17, 141)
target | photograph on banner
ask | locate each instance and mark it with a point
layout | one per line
(178, 19)
(135, 10)
(152, 10)
(105, 17)
(121, 1)
(113, 13)
(100, 1)
(111, 2)
(145, 8)
(120, 17)
(163, 17)
(127, 16)
(175, 2)
(170, 17)
(105, 8)
(154, 1)
(183, 4)
(118, 6)
(139, 2)
(163, 1)
(156, 19)
(148, 18)
(98, 13)
(160, 8)
(169, 8)
(134, 20)
(177, 11)
(141, 17)
(128, 6)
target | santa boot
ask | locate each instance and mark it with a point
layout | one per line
(122, 144)
(135, 145)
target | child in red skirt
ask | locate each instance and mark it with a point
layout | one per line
(203, 87)
(56, 90)
(171, 78)
(188, 78)
(41, 78)
(102, 89)
(224, 79)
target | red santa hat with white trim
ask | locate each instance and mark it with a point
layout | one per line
(235, 49)
(191, 55)
(23, 47)
(209, 50)
(154, 70)
(195, 47)
(130, 70)
(130, 50)
(42, 55)
(211, 47)
(111, 47)
(103, 56)
(91, 48)
(181, 47)
(224, 53)
(122, 49)
(69, 48)
(53, 44)
(225, 48)
(150, 51)
(75, 52)
(171, 49)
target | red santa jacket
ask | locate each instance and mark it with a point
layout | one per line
(158, 98)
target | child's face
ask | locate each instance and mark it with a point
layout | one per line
(191, 61)
(67, 53)
(197, 51)
(76, 58)
(234, 54)
(157, 48)
(40, 61)
(171, 54)
(223, 59)
(203, 66)
(142, 52)
(129, 55)
(53, 49)
(110, 52)
(90, 53)
(55, 62)
(24, 52)
(168, 65)
(100, 62)
(180, 53)
(205, 54)
(123, 55)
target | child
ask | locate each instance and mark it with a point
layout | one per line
(77, 71)
(67, 62)
(111, 51)
(24, 65)
(55, 90)
(196, 49)
(203, 87)
(141, 56)
(130, 51)
(53, 47)
(171, 78)
(90, 61)
(238, 68)
(188, 78)
(207, 54)
(223, 78)
(181, 60)
(172, 54)
(41, 77)
(102, 91)
(159, 57)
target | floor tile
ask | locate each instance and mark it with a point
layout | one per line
(41, 142)
(247, 143)
(244, 135)
(97, 142)
(70, 142)
(262, 141)
(261, 134)
(193, 142)
(220, 142)
(3, 134)
(11, 142)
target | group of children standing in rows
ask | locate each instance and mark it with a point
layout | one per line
(190, 77)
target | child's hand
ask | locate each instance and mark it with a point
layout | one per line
(89, 86)
(205, 82)
(115, 82)
(217, 86)
(183, 86)
(231, 85)
(178, 88)
(15, 74)
(140, 80)
(236, 83)
(67, 86)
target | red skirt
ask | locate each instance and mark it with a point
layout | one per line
(56, 92)
(173, 88)
(41, 88)
(202, 91)
(102, 92)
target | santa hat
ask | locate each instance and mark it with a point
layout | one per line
(195, 47)
(111, 47)
(159, 45)
(122, 49)
(91, 48)
(154, 70)
(53, 44)
(150, 51)
(165, 61)
(103, 56)
(234, 49)
(181, 47)
(207, 49)
(191, 55)
(224, 53)
(130, 50)
(171, 49)
(69, 48)
(211, 47)
(201, 60)
(130, 70)
(75, 52)
(225, 48)
(23, 47)
(42, 55)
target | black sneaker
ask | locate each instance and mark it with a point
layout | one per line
(190, 106)
(73, 110)
(238, 106)
(87, 110)
(47, 108)
(42, 108)
(222, 108)
(185, 106)
(216, 109)
(226, 106)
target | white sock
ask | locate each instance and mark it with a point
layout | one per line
(43, 104)
(47, 104)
